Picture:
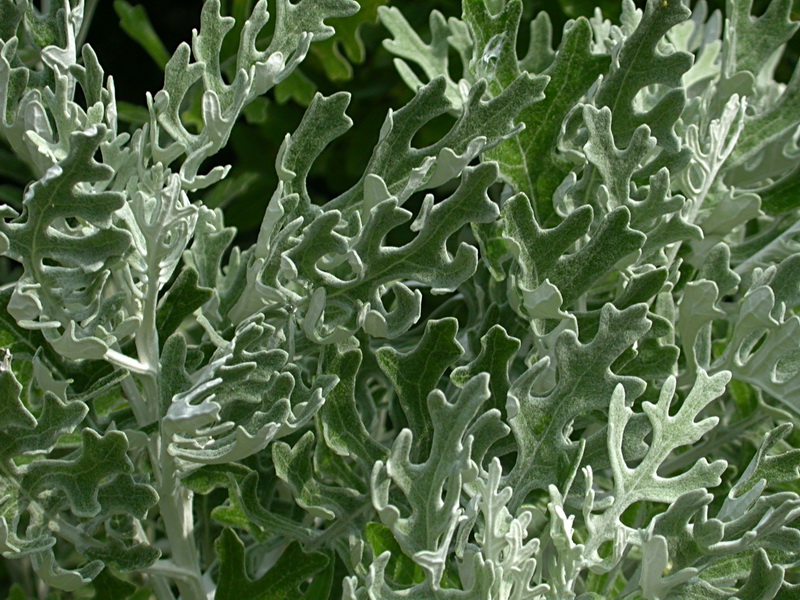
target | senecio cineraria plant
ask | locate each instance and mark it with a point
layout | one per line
(578, 377)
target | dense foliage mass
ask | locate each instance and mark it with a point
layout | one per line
(544, 348)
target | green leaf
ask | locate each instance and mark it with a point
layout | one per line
(498, 349)
(135, 22)
(528, 161)
(92, 483)
(210, 477)
(494, 39)
(768, 126)
(132, 113)
(293, 568)
(770, 470)
(541, 253)
(294, 466)
(26, 343)
(80, 479)
(764, 581)
(60, 299)
(400, 568)
(11, 14)
(16, 592)
(639, 64)
(321, 586)
(348, 39)
(297, 87)
(416, 373)
(174, 377)
(21, 433)
(108, 587)
(669, 432)
(782, 196)
(432, 58)
(404, 169)
(753, 41)
(585, 383)
(734, 539)
(256, 71)
(770, 365)
(248, 383)
(613, 188)
(256, 514)
(342, 427)
(324, 121)
(183, 298)
(433, 488)
(426, 259)
(127, 558)
(211, 241)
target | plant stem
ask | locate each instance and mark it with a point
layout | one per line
(175, 502)
(175, 505)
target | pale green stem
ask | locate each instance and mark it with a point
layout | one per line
(175, 504)
(137, 403)
(161, 587)
(174, 500)
(147, 341)
(118, 359)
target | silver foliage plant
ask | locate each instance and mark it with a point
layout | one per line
(576, 378)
